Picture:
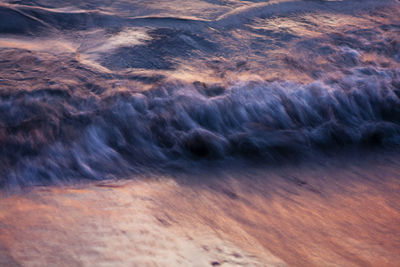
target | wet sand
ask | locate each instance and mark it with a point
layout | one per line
(340, 214)
(151, 93)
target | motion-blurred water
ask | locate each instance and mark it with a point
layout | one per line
(106, 89)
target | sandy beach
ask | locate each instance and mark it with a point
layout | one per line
(200, 133)
(298, 216)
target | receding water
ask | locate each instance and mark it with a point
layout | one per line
(116, 90)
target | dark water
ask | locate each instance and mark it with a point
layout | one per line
(98, 90)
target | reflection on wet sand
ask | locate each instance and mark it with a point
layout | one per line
(339, 215)
(157, 91)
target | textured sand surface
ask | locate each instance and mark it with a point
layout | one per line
(301, 216)
(108, 226)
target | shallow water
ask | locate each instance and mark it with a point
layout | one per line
(93, 90)
(340, 213)
(218, 132)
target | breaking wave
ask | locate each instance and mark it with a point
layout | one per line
(54, 135)
(98, 90)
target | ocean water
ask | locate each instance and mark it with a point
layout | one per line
(199, 133)
(93, 90)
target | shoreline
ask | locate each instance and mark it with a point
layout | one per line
(301, 215)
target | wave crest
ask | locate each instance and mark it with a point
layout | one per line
(57, 135)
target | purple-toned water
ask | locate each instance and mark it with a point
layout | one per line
(199, 133)
(106, 89)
